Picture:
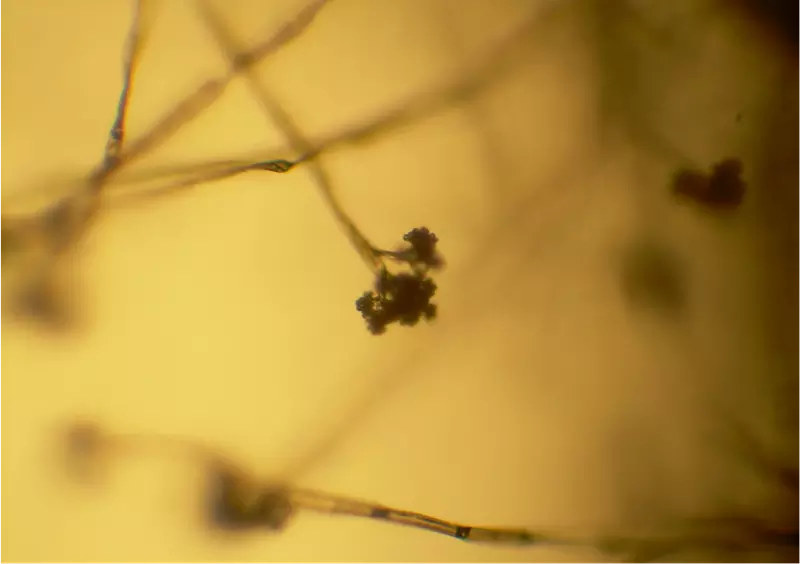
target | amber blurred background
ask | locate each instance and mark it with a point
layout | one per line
(606, 358)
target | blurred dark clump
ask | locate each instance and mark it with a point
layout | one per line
(723, 189)
(85, 452)
(404, 297)
(10, 242)
(45, 303)
(653, 278)
(236, 504)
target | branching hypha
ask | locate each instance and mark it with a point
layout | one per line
(40, 239)
(235, 501)
(404, 297)
(48, 234)
(401, 293)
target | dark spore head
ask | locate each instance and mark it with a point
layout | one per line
(721, 190)
(423, 247)
(404, 298)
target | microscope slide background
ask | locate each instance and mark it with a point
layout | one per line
(564, 386)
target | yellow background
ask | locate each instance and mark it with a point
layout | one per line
(542, 397)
